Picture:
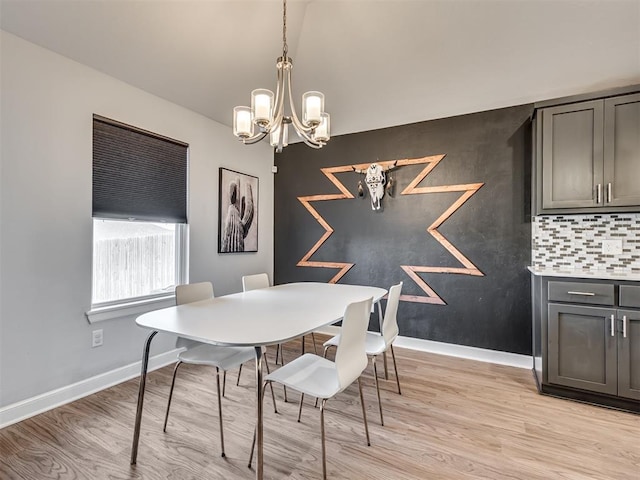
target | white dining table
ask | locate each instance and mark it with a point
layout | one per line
(256, 318)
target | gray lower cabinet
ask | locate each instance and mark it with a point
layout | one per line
(586, 340)
(588, 155)
(629, 354)
(582, 352)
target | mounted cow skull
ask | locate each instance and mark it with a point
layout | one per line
(376, 179)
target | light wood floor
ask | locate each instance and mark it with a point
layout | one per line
(456, 419)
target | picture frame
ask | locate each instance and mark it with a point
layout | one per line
(237, 212)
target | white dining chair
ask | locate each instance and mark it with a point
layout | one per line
(321, 378)
(379, 343)
(221, 357)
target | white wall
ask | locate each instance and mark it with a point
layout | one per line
(47, 104)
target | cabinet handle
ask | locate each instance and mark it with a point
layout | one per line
(613, 325)
(584, 294)
(599, 193)
(609, 192)
(624, 326)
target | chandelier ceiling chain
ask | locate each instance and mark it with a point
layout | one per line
(285, 47)
(266, 116)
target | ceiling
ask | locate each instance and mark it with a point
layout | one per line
(379, 63)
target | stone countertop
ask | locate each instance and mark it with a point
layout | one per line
(590, 274)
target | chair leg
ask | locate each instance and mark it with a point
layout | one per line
(253, 447)
(324, 453)
(220, 410)
(395, 367)
(375, 376)
(315, 347)
(173, 382)
(282, 364)
(364, 413)
(277, 352)
(239, 373)
(386, 370)
(300, 408)
(273, 397)
(303, 342)
(224, 382)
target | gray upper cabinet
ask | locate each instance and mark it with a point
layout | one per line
(572, 155)
(622, 150)
(588, 156)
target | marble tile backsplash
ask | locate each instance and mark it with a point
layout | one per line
(575, 241)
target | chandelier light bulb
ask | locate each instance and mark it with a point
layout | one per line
(323, 133)
(242, 123)
(312, 107)
(262, 106)
(275, 135)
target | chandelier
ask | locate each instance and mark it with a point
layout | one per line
(266, 116)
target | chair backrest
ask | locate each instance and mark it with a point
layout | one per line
(253, 282)
(191, 292)
(351, 354)
(390, 323)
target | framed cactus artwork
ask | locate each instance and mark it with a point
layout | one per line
(237, 212)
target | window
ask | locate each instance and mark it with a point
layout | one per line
(139, 218)
(135, 260)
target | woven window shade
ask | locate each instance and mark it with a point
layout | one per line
(138, 175)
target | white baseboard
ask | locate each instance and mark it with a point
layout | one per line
(24, 409)
(452, 350)
(463, 351)
(41, 403)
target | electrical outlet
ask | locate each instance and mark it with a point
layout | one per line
(96, 338)
(612, 247)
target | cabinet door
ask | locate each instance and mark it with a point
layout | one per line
(572, 155)
(622, 150)
(582, 347)
(629, 354)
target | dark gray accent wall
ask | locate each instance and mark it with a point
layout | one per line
(492, 229)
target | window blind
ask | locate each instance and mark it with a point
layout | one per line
(137, 174)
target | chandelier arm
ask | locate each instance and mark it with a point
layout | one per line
(278, 111)
(298, 125)
(255, 139)
(311, 143)
(304, 136)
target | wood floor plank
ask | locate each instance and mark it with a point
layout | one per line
(456, 419)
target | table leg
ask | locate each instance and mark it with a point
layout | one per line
(143, 381)
(259, 430)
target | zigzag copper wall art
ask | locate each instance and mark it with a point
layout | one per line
(467, 191)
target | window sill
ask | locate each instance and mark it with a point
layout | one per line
(138, 307)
